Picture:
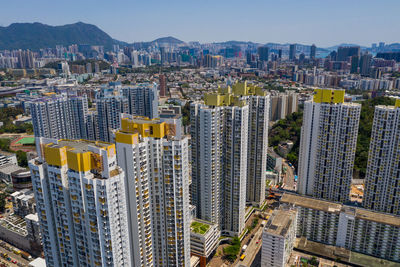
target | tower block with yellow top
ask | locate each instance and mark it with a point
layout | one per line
(156, 163)
(80, 194)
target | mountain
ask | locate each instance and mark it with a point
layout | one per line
(168, 40)
(37, 35)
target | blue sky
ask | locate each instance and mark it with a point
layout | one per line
(323, 22)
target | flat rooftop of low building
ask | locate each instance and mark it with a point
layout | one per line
(327, 206)
(200, 226)
(378, 217)
(38, 262)
(280, 222)
(311, 203)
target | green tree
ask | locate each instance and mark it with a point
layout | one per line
(232, 250)
(2, 202)
(22, 159)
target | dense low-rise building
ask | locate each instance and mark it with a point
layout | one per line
(357, 229)
(278, 238)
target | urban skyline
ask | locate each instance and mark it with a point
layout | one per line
(369, 21)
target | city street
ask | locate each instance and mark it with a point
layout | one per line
(252, 249)
(288, 178)
(13, 256)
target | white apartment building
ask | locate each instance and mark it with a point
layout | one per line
(142, 99)
(356, 229)
(257, 149)
(204, 238)
(235, 151)
(278, 238)
(220, 141)
(157, 164)
(109, 109)
(382, 182)
(283, 104)
(206, 144)
(80, 195)
(60, 117)
(328, 145)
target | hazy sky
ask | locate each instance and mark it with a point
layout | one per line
(323, 22)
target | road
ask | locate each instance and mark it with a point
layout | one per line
(288, 178)
(252, 249)
(13, 256)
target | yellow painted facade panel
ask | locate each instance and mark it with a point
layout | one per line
(338, 96)
(397, 104)
(55, 156)
(126, 138)
(326, 96)
(80, 162)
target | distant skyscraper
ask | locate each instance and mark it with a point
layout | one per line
(280, 53)
(60, 117)
(248, 57)
(292, 52)
(313, 51)
(365, 64)
(88, 67)
(382, 182)
(80, 195)
(163, 85)
(328, 146)
(142, 99)
(346, 52)
(354, 64)
(157, 166)
(263, 53)
(96, 67)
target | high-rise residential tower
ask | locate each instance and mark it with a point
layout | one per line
(142, 99)
(263, 53)
(292, 52)
(223, 164)
(257, 148)
(163, 85)
(313, 51)
(157, 167)
(206, 144)
(60, 117)
(328, 145)
(80, 195)
(109, 109)
(382, 181)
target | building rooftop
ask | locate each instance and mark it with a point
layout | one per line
(79, 146)
(378, 217)
(280, 222)
(311, 203)
(199, 226)
(332, 207)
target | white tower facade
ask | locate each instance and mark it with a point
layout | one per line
(80, 195)
(382, 181)
(160, 161)
(328, 146)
